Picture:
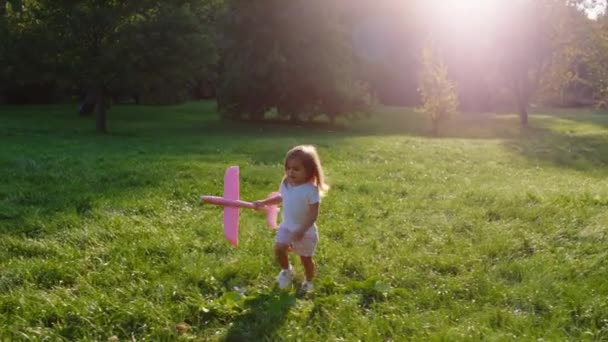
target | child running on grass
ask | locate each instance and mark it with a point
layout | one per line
(301, 190)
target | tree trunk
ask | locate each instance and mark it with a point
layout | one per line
(523, 98)
(435, 127)
(2, 8)
(89, 102)
(332, 120)
(522, 95)
(522, 107)
(100, 120)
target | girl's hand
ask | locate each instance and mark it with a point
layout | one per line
(258, 205)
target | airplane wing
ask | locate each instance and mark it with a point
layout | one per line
(231, 214)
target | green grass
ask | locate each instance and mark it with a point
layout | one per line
(489, 232)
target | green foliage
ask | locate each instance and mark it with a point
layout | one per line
(302, 58)
(439, 99)
(490, 233)
(26, 55)
(148, 47)
(5, 37)
(172, 48)
(569, 77)
(293, 56)
(14, 5)
(598, 66)
(153, 49)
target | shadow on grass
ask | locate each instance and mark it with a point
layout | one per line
(265, 315)
(575, 140)
(586, 152)
(569, 142)
(578, 115)
(400, 121)
(55, 163)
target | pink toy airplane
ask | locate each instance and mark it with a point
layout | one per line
(231, 204)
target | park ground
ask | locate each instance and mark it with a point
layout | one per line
(486, 232)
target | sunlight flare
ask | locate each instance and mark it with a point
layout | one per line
(473, 10)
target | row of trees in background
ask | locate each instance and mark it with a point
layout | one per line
(293, 56)
(300, 58)
(150, 49)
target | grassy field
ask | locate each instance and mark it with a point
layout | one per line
(489, 232)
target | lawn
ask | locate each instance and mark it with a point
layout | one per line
(488, 232)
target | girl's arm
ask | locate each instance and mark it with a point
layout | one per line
(269, 201)
(311, 218)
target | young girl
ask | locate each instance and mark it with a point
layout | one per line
(301, 190)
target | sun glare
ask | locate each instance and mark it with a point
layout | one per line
(473, 9)
(453, 20)
(460, 18)
(468, 4)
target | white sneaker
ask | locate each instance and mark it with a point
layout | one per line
(307, 287)
(285, 278)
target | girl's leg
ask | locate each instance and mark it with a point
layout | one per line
(280, 251)
(285, 277)
(309, 267)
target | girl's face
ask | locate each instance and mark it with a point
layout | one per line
(295, 172)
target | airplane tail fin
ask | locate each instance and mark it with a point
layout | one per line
(272, 212)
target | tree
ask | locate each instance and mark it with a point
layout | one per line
(439, 100)
(580, 64)
(520, 40)
(528, 35)
(143, 46)
(293, 56)
(16, 5)
(598, 63)
(25, 56)
(568, 78)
